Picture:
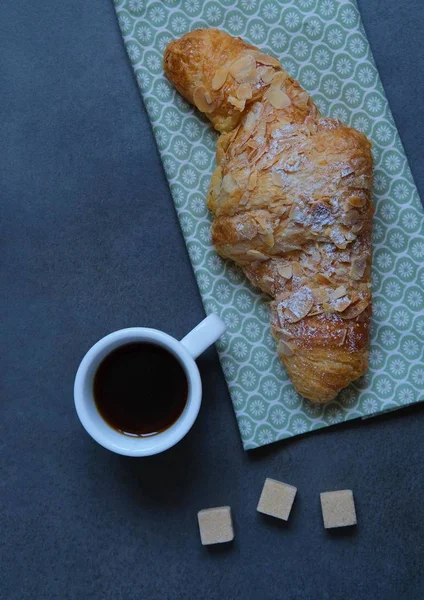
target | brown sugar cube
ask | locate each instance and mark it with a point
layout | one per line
(216, 525)
(338, 509)
(276, 499)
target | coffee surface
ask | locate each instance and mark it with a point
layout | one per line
(140, 389)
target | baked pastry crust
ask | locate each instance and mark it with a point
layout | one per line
(291, 200)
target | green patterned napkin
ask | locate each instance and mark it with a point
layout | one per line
(323, 44)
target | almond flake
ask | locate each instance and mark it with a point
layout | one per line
(338, 292)
(274, 130)
(216, 181)
(262, 222)
(357, 201)
(280, 313)
(201, 102)
(340, 143)
(292, 164)
(278, 79)
(302, 99)
(267, 75)
(219, 79)
(277, 178)
(346, 171)
(297, 269)
(253, 179)
(284, 349)
(285, 335)
(351, 217)
(257, 255)
(240, 104)
(277, 98)
(286, 272)
(244, 91)
(357, 227)
(301, 302)
(268, 239)
(323, 279)
(320, 295)
(337, 236)
(283, 121)
(290, 317)
(250, 121)
(228, 183)
(311, 124)
(244, 69)
(355, 310)
(315, 312)
(265, 59)
(342, 303)
(358, 267)
(234, 134)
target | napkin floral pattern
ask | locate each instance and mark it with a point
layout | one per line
(323, 44)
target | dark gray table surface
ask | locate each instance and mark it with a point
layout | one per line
(90, 243)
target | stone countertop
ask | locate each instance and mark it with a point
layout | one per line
(90, 243)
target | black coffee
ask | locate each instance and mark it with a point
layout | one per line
(140, 389)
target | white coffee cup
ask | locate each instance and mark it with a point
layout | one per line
(186, 351)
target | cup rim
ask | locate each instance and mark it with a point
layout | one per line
(128, 445)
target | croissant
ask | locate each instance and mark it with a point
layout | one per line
(291, 200)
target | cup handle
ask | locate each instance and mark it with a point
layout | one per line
(203, 335)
